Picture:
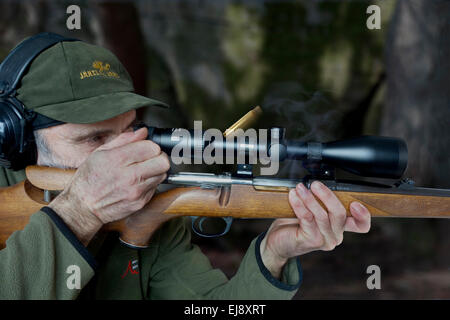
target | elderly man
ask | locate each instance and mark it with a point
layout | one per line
(84, 105)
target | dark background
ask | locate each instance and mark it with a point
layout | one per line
(315, 69)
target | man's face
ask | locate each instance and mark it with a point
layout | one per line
(70, 144)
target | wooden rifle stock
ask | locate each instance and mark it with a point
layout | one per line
(18, 202)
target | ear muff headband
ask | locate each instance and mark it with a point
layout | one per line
(17, 145)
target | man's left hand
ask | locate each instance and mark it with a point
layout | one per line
(315, 228)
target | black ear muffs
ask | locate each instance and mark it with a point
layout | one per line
(17, 144)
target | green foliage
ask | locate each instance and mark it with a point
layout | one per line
(320, 46)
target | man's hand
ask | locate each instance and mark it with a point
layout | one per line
(315, 228)
(116, 180)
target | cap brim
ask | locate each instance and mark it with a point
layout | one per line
(98, 108)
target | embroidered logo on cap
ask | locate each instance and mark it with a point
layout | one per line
(100, 69)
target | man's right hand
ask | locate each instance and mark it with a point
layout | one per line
(116, 180)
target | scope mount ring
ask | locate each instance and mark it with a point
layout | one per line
(319, 170)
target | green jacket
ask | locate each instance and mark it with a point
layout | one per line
(36, 265)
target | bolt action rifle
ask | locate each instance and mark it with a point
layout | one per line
(240, 194)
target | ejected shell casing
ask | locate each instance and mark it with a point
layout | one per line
(245, 122)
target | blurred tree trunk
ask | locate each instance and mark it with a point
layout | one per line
(121, 33)
(18, 20)
(418, 94)
(417, 104)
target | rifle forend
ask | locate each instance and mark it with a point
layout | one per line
(221, 196)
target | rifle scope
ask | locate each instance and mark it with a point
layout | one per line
(369, 156)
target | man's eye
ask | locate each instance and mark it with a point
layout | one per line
(96, 139)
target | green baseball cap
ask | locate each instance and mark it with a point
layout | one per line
(77, 82)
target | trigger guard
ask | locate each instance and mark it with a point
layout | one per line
(199, 231)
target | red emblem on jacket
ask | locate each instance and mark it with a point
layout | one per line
(132, 268)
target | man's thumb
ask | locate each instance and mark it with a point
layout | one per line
(125, 138)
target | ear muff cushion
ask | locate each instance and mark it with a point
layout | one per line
(10, 138)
